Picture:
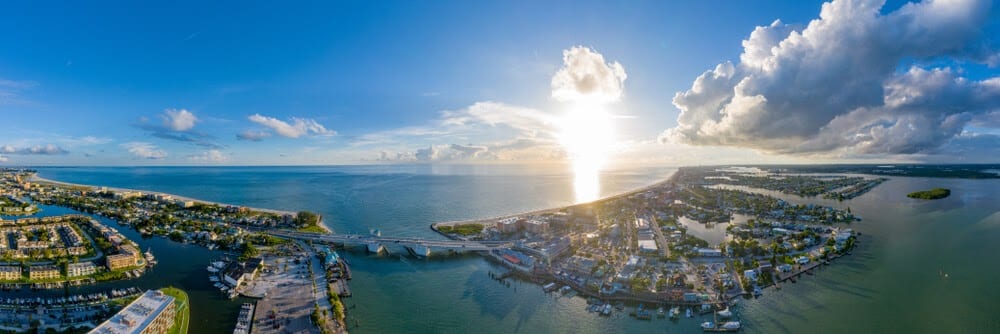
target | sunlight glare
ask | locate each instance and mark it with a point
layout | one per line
(587, 134)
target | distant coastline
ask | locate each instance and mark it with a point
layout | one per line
(39, 179)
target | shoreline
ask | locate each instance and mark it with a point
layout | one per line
(39, 179)
(554, 209)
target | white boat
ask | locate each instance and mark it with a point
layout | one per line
(213, 278)
(607, 309)
(687, 313)
(212, 269)
(731, 325)
(675, 312)
(726, 313)
(708, 325)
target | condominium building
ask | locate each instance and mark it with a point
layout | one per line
(43, 272)
(151, 313)
(10, 273)
(81, 269)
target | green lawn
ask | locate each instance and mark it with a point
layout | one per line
(183, 311)
(312, 228)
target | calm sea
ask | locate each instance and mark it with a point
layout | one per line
(895, 282)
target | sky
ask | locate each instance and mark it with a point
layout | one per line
(659, 82)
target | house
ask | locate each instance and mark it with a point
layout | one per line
(802, 260)
(785, 268)
(750, 274)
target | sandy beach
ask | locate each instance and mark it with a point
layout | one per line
(38, 179)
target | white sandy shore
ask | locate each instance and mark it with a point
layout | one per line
(39, 179)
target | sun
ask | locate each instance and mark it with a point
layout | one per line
(587, 134)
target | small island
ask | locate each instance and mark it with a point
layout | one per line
(936, 193)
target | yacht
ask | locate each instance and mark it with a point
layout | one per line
(675, 312)
(726, 313)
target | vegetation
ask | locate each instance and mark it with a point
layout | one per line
(249, 251)
(306, 219)
(183, 311)
(463, 229)
(936, 193)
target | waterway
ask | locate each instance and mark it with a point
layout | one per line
(894, 282)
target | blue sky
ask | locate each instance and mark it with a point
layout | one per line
(131, 83)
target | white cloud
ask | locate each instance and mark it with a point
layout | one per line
(585, 76)
(297, 128)
(834, 87)
(178, 120)
(48, 149)
(143, 150)
(210, 156)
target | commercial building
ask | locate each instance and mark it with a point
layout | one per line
(10, 273)
(43, 272)
(151, 313)
(238, 273)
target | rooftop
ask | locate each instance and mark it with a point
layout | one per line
(138, 315)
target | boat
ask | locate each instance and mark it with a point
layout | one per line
(212, 269)
(150, 260)
(756, 291)
(726, 313)
(607, 310)
(729, 326)
(549, 287)
(661, 313)
(688, 313)
(675, 312)
(213, 278)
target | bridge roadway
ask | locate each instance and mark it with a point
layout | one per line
(457, 245)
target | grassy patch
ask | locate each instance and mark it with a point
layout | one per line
(183, 311)
(312, 228)
(463, 229)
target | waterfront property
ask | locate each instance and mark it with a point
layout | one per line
(151, 313)
(43, 272)
(10, 273)
(81, 269)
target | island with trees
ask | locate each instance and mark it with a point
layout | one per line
(936, 193)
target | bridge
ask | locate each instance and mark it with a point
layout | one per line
(376, 244)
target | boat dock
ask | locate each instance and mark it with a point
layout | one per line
(245, 319)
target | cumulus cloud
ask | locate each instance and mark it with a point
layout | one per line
(48, 149)
(178, 125)
(252, 135)
(3, 158)
(297, 128)
(210, 156)
(178, 120)
(834, 87)
(586, 76)
(143, 150)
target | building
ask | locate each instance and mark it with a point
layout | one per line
(119, 261)
(238, 273)
(709, 252)
(509, 225)
(151, 313)
(537, 226)
(81, 269)
(43, 272)
(10, 273)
